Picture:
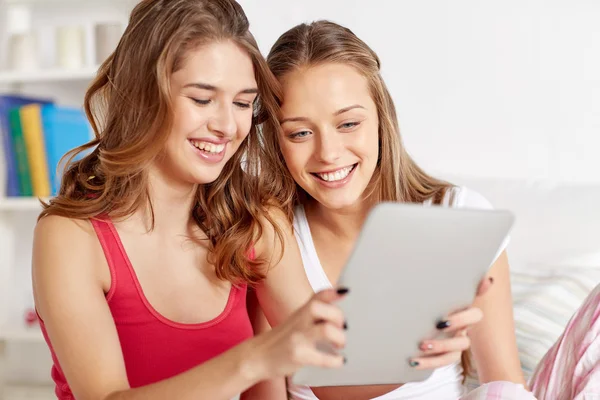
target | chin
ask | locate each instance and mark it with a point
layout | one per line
(338, 203)
(206, 174)
(206, 180)
(203, 177)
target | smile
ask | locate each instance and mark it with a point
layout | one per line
(207, 147)
(336, 175)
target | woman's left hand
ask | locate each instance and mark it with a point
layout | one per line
(437, 353)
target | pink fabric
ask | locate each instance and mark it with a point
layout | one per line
(569, 371)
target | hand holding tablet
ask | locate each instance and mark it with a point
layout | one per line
(411, 267)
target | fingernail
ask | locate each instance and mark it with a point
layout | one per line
(426, 346)
(413, 363)
(342, 290)
(443, 325)
(345, 325)
(491, 279)
(345, 360)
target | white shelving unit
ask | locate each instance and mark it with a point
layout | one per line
(12, 204)
(23, 354)
(22, 335)
(47, 75)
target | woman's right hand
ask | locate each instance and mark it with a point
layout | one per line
(293, 344)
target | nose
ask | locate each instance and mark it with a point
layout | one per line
(330, 146)
(222, 122)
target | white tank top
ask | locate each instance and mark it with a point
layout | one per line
(444, 383)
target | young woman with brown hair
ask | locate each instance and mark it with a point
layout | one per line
(142, 262)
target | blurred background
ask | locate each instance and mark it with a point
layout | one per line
(501, 96)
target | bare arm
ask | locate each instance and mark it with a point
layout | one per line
(286, 288)
(493, 341)
(70, 299)
(273, 389)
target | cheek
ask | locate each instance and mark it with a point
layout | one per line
(373, 142)
(244, 124)
(293, 157)
(188, 115)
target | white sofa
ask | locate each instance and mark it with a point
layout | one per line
(554, 253)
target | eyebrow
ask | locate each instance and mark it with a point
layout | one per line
(346, 109)
(205, 86)
(338, 112)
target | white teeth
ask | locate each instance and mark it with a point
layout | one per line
(208, 147)
(335, 176)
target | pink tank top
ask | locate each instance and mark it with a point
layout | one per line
(154, 347)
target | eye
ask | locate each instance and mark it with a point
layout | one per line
(349, 125)
(299, 135)
(243, 105)
(201, 102)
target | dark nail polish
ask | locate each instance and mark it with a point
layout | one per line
(443, 324)
(345, 325)
(343, 290)
(345, 360)
(491, 279)
(413, 363)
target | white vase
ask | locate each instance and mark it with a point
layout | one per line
(107, 37)
(70, 47)
(23, 51)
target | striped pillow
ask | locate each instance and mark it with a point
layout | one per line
(545, 299)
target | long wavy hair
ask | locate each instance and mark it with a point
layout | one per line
(131, 113)
(397, 177)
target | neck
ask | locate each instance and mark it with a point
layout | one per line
(344, 223)
(172, 203)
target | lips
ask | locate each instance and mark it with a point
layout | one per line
(335, 175)
(208, 151)
(203, 145)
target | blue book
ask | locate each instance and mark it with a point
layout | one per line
(64, 129)
(6, 103)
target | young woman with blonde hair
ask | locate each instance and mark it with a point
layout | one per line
(337, 152)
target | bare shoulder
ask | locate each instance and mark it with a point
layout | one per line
(55, 236)
(66, 249)
(277, 214)
(70, 228)
(276, 230)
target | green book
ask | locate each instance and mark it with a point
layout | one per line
(23, 172)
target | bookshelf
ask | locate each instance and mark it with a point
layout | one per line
(126, 3)
(24, 358)
(16, 204)
(22, 335)
(48, 75)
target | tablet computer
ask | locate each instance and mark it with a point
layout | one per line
(412, 265)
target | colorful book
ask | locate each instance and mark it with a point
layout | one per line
(64, 129)
(31, 122)
(8, 102)
(20, 153)
(3, 171)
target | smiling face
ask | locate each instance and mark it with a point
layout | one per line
(330, 133)
(212, 95)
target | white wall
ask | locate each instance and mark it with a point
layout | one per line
(505, 89)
